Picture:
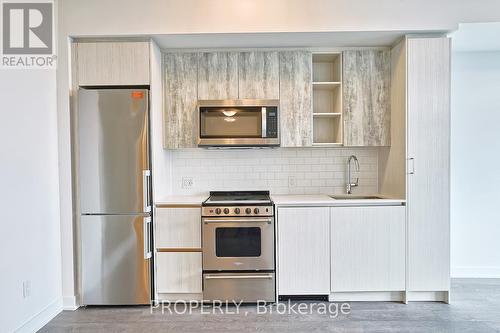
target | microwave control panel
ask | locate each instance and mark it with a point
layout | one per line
(272, 122)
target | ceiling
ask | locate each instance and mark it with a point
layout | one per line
(280, 39)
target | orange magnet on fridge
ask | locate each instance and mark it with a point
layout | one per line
(137, 95)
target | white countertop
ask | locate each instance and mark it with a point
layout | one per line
(325, 200)
(180, 200)
(285, 200)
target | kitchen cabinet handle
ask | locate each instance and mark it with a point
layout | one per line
(206, 221)
(147, 237)
(411, 166)
(264, 122)
(218, 277)
(146, 189)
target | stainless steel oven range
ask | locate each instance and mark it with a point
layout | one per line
(238, 247)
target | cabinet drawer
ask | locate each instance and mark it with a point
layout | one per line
(178, 227)
(178, 272)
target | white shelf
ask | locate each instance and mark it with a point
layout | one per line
(326, 85)
(327, 99)
(327, 114)
(327, 144)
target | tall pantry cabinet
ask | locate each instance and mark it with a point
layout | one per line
(428, 168)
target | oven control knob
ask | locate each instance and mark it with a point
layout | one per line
(248, 210)
(256, 211)
(236, 210)
(218, 211)
(226, 210)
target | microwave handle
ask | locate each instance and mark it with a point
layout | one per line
(264, 122)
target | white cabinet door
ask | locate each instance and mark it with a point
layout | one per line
(303, 251)
(178, 272)
(428, 181)
(112, 63)
(178, 227)
(367, 248)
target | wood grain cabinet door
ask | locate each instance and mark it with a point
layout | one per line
(180, 99)
(296, 98)
(178, 227)
(258, 75)
(303, 256)
(218, 75)
(367, 248)
(112, 63)
(428, 180)
(366, 97)
(178, 272)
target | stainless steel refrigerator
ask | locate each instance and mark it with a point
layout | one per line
(115, 196)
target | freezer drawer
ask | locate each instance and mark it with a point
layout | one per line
(237, 287)
(115, 257)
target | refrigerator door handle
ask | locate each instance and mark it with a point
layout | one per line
(147, 237)
(146, 189)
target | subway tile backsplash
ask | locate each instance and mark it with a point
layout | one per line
(280, 170)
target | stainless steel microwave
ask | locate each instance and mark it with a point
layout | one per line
(238, 123)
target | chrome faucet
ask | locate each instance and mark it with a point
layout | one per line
(350, 184)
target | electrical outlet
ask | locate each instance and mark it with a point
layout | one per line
(26, 288)
(292, 182)
(187, 182)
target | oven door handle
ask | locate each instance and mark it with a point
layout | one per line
(215, 277)
(240, 220)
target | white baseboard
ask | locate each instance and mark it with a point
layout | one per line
(428, 296)
(475, 272)
(69, 303)
(40, 319)
(367, 296)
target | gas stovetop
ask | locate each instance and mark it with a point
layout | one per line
(238, 203)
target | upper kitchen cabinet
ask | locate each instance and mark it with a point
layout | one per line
(112, 63)
(295, 77)
(366, 97)
(327, 99)
(218, 75)
(180, 99)
(258, 75)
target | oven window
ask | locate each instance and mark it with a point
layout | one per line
(219, 122)
(238, 242)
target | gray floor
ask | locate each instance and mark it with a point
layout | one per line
(475, 308)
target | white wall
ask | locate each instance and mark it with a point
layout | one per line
(29, 199)
(318, 170)
(475, 164)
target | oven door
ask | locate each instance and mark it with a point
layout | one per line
(242, 243)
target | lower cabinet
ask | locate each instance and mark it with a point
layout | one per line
(178, 252)
(367, 248)
(178, 272)
(303, 251)
(178, 227)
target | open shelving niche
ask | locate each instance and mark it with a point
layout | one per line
(327, 99)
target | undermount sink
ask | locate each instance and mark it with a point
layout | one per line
(354, 197)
